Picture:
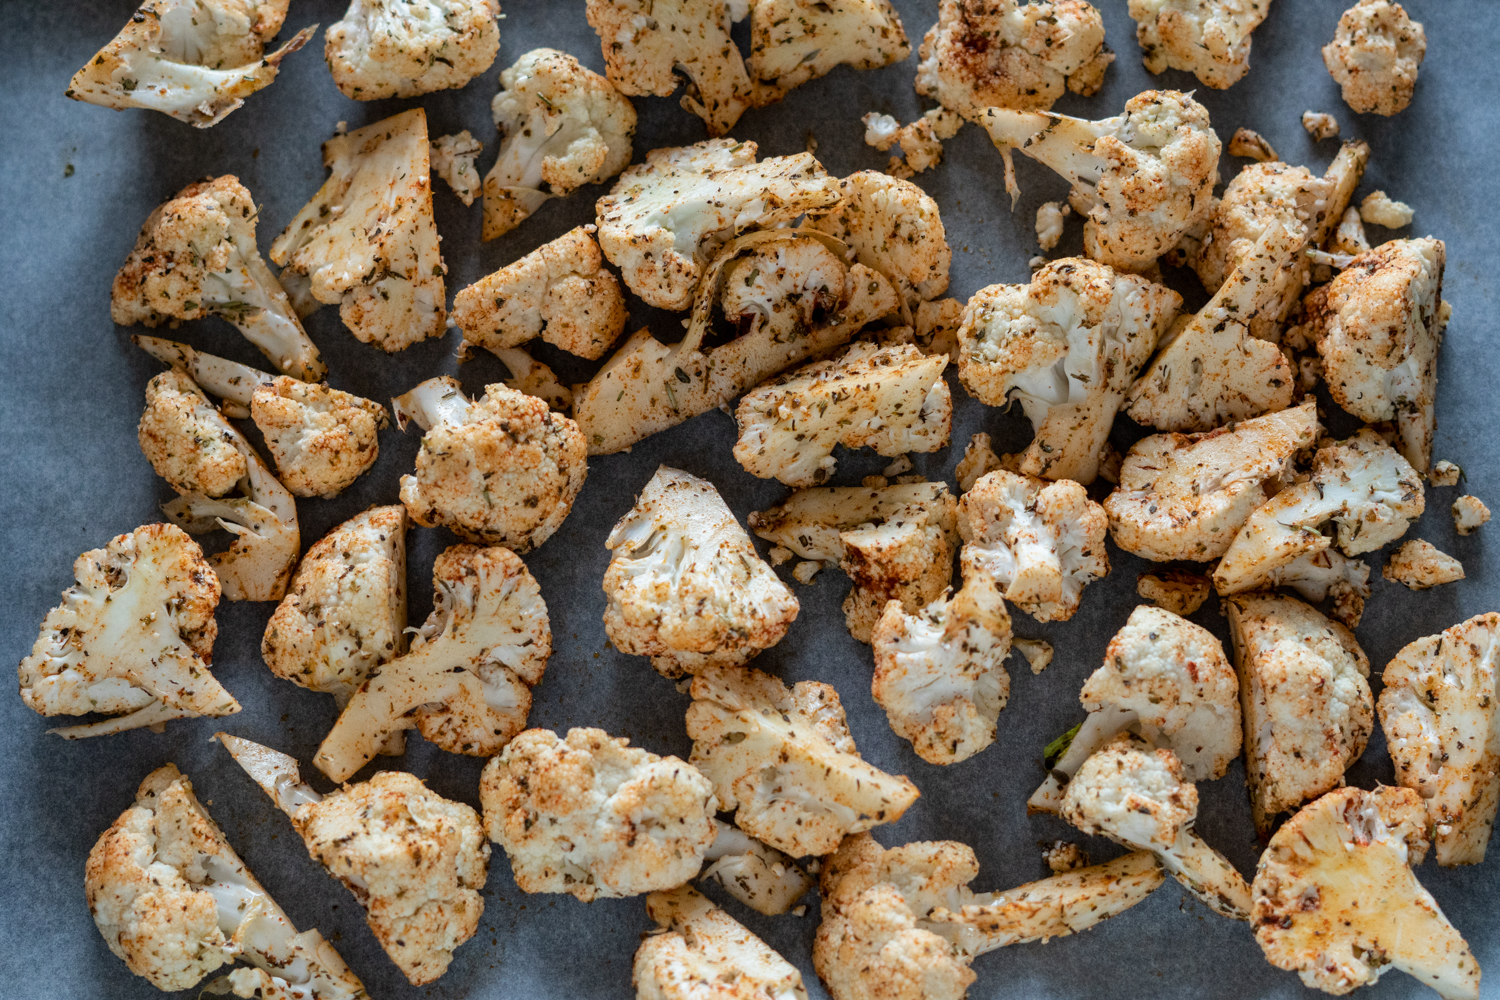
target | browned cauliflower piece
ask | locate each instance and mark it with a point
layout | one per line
(1176, 590)
(1320, 125)
(700, 950)
(1420, 565)
(892, 226)
(1374, 56)
(794, 41)
(1208, 38)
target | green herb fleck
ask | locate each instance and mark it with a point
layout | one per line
(1054, 750)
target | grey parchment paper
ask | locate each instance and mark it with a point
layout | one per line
(78, 180)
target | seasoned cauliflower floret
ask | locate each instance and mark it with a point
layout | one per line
(1049, 223)
(187, 441)
(1445, 473)
(1041, 542)
(1001, 53)
(794, 41)
(1469, 514)
(1440, 711)
(466, 682)
(698, 944)
(415, 860)
(406, 48)
(502, 469)
(1320, 125)
(979, 459)
(1316, 883)
(1251, 145)
(1374, 56)
(761, 877)
(1208, 38)
(685, 584)
(893, 227)
(1306, 701)
(452, 158)
(367, 239)
(563, 126)
(173, 899)
(783, 761)
(196, 60)
(1176, 590)
(1420, 565)
(1067, 346)
(590, 815)
(1148, 174)
(1137, 796)
(560, 290)
(1380, 209)
(921, 142)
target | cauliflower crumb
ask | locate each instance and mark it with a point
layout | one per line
(921, 142)
(1374, 56)
(406, 48)
(1208, 38)
(1065, 856)
(780, 554)
(901, 465)
(1469, 512)
(1320, 125)
(1445, 473)
(1379, 209)
(1038, 653)
(1251, 145)
(979, 459)
(1179, 591)
(1049, 223)
(1419, 565)
(805, 570)
(452, 158)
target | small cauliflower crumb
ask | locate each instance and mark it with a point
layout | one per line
(1110, 463)
(901, 465)
(779, 554)
(1251, 145)
(1469, 512)
(452, 158)
(1320, 125)
(805, 570)
(1179, 591)
(1374, 56)
(1445, 473)
(1038, 653)
(1065, 856)
(1379, 209)
(1419, 565)
(1049, 223)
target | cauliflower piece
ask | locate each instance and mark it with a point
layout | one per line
(891, 399)
(1208, 38)
(132, 638)
(791, 297)
(1378, 326)
(1064, 856)
(921, 142)
(174, 900)
(590, 815)
(1374, 56)
(1445, 473)
(1324, 574)
(531, 377)
(1185, 496)
(979, 459)
(1036, 652)
(940, 674)
(1380, 209)
(1419, 565)
(1320, 125)
(1349, 239)
(1149, 173)
(892, 226)
(794, 41)
(1049, 223)
(761, 877)
(783, 761)
(466, 682)
(452, 158)
(1001, 53)
(685, 584)
(1176, 590)
(563, 126)
(697, 944)
(344, 615)
(196, 256)
(1066, 346)
(560, 290)
(1315, 883)
(663, 217)
(1442, 726)
(936, 329)
(652, 46)
(367, 240)
(1213, 369)
(196, 60)
(185, 438)
(1041, 542)
(1362, 485)
(1305, 698)
(500, 470)
(406, 48)
(1251, 145)
(1469, 513)
(415, 860)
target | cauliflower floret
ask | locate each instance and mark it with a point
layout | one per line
(1374, 56)
(344, 614)
(1066, 346)
(1208, 38)
(1306, 701)
(1001, 53)
(892, 226)
(1049, 223)
(793, 41)
(1320, 125)
(1315, 886)
(761, 877)
(1185, 496)
(665, 216)
(979, 459)
(1149, 173)
(196, 60)
(1041, 542)
(196, 256)
(783, 761)
(173, 899)
(452, 158)
(1137, 796)
(415, 860)
(1349, 238)
(653, 46)
(1445, 473)
(940, 674)
(786, 288)
(1251, 145)
(697, 944)
(500, 470)
(1328, 573)
(685, 584)
(921, 142)
(1362, 485)
(1378, 326)
(936, 329)
(1440, 711)
(563, 126)
(590, 815)
(185, 439)
(1178, 591)
(1420, 565)
(405, 48)
(466, 682)
(367, 239)
(891, 399)
(1212, 368)
(1380, 209)
(1469, 513)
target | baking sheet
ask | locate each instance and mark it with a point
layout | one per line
(76, 184)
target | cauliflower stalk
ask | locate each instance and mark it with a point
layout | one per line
(1208, 38)
(697, 944)
(1374, 56)
(761, 877)
(406, 48)
(794, 41)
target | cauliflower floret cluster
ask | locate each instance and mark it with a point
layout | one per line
(563, 126)
(590, 815)
(186, 440)
(794, 41)
(892, 226)
(406, 48)
(698, 944)
(1208, 38)
(1374, 56)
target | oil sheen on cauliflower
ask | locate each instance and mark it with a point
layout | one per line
(1208, 38)
(794, 41)
(1374, 56)
(406, 48)
(697, 944)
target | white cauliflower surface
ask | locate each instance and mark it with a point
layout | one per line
(1208, 38)
(406, 48)
(590, 815)
(761, 877)
(794, 41)
(1374, 56)
(699, 950)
